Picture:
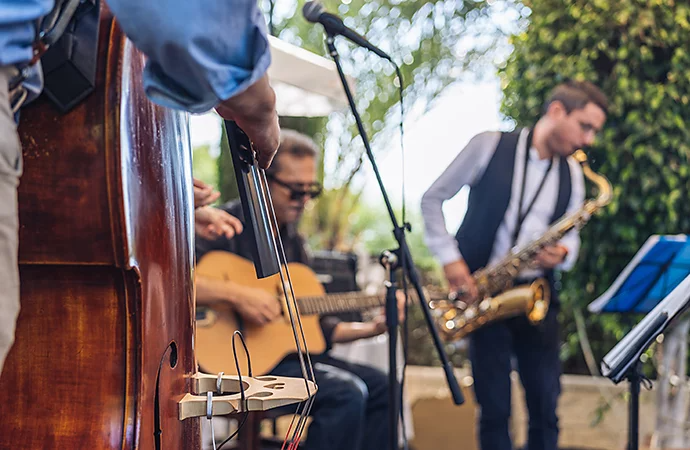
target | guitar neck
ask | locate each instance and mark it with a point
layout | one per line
(341, 302)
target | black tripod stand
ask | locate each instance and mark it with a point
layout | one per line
(399, 257)
(623, 361)
(632, 371)
(656, 282)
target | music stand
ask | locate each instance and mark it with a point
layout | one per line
(657, 268)
(656, 282)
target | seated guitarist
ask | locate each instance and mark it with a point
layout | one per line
(350, 410)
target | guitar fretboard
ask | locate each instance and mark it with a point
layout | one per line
(344, 302)
(338, 303)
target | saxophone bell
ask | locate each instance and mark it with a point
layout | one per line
(531, 300)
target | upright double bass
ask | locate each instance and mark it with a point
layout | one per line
(104, 357)
(103, 349)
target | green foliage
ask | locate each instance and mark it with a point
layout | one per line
(637, 52)
(424, 38)
(421, 35)
(205, 167)
(227, 184)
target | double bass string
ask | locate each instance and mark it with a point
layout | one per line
(293, 311)
(295, 320)
(254, 192)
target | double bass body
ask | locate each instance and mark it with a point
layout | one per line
(103, 349)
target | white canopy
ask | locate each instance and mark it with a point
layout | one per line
(306, 84)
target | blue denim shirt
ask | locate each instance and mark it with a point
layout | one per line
(199, 52)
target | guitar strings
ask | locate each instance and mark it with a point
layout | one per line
(295, 320)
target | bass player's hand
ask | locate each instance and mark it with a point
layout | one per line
(254, 110)
(460, 279)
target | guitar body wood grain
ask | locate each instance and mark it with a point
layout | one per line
(268, 344)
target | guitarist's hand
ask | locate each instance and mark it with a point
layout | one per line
(379, 321)
(257, 306)
(204, 194)
(211, 223)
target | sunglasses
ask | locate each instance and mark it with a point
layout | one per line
(297, 190)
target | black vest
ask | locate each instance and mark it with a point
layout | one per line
(489, 199)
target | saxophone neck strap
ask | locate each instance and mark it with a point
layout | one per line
(522, 215)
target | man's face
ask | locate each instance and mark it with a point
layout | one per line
(289, 187)
(575, 130)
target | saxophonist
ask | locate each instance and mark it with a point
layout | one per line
(520, 183)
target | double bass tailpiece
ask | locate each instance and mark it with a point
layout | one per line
(223, 394)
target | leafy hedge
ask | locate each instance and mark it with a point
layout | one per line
(637, 51)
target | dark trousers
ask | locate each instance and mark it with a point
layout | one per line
(350, 411)
(536, 351)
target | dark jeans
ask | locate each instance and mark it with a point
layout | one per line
(350, 411)
(536, 349)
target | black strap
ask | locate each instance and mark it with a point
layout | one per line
(54, 29)
(69, 65)
(521, 216)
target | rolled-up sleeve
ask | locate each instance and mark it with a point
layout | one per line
(199, 53)
(465, 169)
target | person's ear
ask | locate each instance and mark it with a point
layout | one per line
(556, 110)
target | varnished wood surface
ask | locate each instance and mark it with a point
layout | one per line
(50, 378)
(106, 270)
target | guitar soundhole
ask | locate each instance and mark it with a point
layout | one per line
(266, 378)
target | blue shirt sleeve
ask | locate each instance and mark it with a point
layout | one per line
(199, 52)
(18, 28)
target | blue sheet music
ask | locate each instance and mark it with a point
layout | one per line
(657, 268)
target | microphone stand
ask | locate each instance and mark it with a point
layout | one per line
(404, 258)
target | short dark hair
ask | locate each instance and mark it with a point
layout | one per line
(295, 144)
(576, 94)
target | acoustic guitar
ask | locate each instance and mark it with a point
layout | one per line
(267, 344)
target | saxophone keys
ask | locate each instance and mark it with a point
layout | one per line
(470, 313)
(459, 304)
(485, 306)
(450, 314)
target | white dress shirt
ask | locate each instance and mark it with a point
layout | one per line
(468, 168)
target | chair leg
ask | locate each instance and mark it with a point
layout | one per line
(249, 437)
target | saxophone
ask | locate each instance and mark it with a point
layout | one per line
(498, 298)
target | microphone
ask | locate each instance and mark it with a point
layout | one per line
(313, 11)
